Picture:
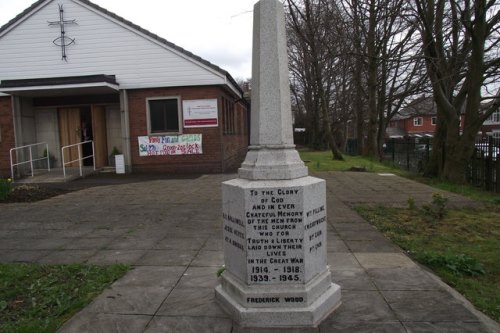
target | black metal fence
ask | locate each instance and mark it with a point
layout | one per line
(483, 170)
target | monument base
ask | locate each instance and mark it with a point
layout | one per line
(229, 293)
(275, 253)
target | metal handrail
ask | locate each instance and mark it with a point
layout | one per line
(31, 160)
(80, 158)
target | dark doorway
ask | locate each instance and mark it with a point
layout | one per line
(86, 135)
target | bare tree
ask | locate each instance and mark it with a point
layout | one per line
(460, 41)
(387, 50)
(309, 24)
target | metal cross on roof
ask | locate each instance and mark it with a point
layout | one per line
(63, 40)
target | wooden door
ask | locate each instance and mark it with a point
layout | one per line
(69, 132)
(99, 135)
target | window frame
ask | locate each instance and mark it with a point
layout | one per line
(434, 121)
(494, 118)
(228, 117)
(418, 121)
(179, 114)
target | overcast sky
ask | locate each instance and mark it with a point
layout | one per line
(219, 31)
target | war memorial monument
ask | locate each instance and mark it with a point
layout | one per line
(274, 214)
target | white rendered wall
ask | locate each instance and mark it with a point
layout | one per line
(102, 46)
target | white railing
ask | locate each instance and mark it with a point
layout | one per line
(31, 160)
(80, 158)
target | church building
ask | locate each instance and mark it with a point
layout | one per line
(73, 72)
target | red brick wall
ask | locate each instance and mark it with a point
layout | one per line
(7, 139)
(220, 153)
(426, 127)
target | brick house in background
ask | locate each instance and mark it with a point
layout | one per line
(417, 120)
(71, 70)
(491, 127)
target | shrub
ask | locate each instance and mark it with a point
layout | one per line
(5, 188)
(457, 264)
(437, 209)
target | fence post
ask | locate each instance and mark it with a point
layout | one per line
(488, 172)
(393, 148)
(408, 153)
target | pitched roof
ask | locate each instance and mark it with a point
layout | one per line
(422, 106)
(135, 27)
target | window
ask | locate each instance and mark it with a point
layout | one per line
(418, 121)
(433, 121)
(163, 115)
(494, 118)
(228, 117)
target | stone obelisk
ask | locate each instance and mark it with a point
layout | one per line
(274, 214)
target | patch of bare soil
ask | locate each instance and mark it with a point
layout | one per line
(29, 193)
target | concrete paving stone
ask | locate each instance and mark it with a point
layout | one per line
(379, 245)
(179, 232)
(361, 306)
(7, 233)
(345, 227)
(46, 243)
(427, 306)
(161, 324)
(130, 300)
(345, 219)
(105, 323)
(405, 278)
(62, 225)
(342, 261)
(336, 246)
(195, 302)
(197, 230)
(88, 243)
(384, 260)
(361, 235)
(239, 329)
(67, 257)
(14, 244)
(106, 232)
(21, 225)
(19, 256)
(33, 233)
(106, 257)
(167, 258)
(176, 243)
(363, 327)
(73, 232)
(151, 276)
(199, 277)
(132, 243)
(214, 244)
(208, 258)
(445, 327)
(353, 279)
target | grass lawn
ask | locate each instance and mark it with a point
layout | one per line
(322, 161)
(463, 247)
(39, 298)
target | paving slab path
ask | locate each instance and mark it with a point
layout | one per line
(169, 230)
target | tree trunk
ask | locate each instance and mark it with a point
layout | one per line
(371, 144)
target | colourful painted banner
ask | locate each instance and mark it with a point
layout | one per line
(185, 144)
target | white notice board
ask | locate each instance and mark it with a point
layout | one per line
(200, 113)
